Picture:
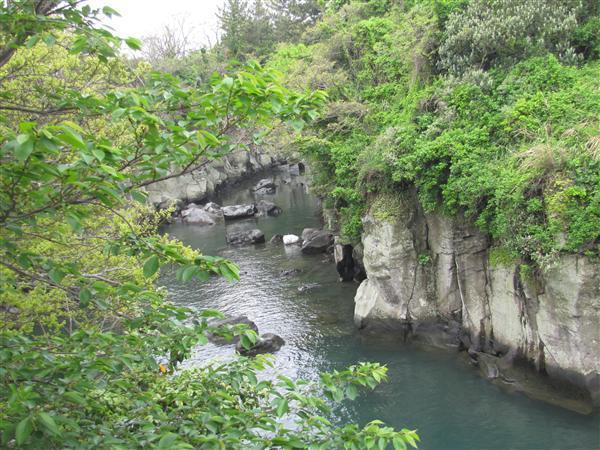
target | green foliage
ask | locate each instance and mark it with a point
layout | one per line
(506, 134)
(501, 32)
(90, 346)
(117, 397)
(424, 259)
(254, 28)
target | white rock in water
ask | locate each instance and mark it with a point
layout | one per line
(290, 239)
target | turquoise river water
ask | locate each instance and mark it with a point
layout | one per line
(431, 390)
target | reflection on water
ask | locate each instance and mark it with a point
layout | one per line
(433, 391)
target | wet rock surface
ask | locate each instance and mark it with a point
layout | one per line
(245, 237)
(316, 241)
(276, 239)
(290, 239)
(267, 208)
(215, 338)
(238, 211)
(265, 186)
(290, 272)
(267, 343)
(208, 214)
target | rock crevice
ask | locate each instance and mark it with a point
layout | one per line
(427, 272)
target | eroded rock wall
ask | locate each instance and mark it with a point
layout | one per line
(203, 182)
(429, 273)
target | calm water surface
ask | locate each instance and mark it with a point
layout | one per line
(433, 391)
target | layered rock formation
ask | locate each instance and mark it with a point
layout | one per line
(203, 182)
(429, 274)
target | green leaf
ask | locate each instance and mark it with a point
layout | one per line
(48, 422)
(109, 12)
(282, 407)
(23, 430)
(118, 112)
(139, 196)
(151, 266)
(56, 275)
(167, 440)
(189, 272)
(75, 397)
(74, 222)
(245, 341)
(99, 154)
(23, 147)
(49, 39)
(297, 125)
(32, 41)
(73, 138)
(133, 43)
(398, 444)
(227, 82)
(85, 295)
(352, 392)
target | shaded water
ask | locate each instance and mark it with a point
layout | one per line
(433, 391)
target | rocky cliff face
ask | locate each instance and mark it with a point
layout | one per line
(431, 277)
(201, 183)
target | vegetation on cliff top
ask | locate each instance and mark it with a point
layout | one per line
(485, 109)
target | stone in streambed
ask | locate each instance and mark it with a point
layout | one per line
(208, 214)
(266, 208)
(290, 239)
(230, 321)
(267, 343)
(276, 239)
(246, 237)
(315, 242)
(238, 211)
(290, 272)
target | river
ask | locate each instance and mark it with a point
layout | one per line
(431, 390)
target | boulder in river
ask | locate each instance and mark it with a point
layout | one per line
(317, 242)
(229, 322)
(201, 215)
(265, 186)
(246, 237)
(307, 233)
(266, 208)
(290, 239)
(197, 216)
(267, 343)
(276, 239)
(238, 211)
(213, 208)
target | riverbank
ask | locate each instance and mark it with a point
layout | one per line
(429, 389)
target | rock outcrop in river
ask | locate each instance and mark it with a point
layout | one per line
(267, 343)
(245, 237)
(430, 272)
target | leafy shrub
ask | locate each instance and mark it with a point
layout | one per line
(501, 32)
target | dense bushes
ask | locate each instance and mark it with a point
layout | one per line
(501, 32)
(489, 109)
(90, 346)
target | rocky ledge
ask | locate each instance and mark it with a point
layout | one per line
(202, 183)
(432, 278)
